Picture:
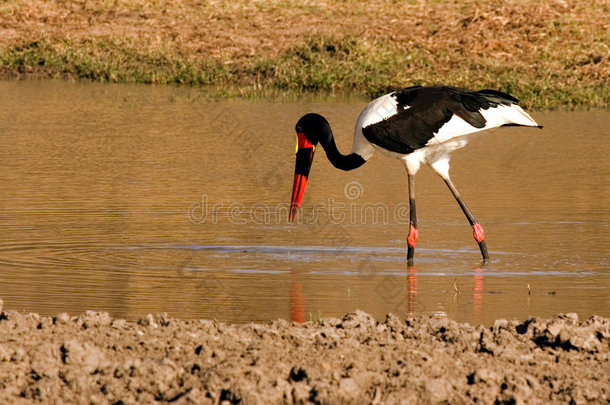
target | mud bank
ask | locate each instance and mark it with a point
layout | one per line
(93, 358)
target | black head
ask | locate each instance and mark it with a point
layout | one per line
(315, 128)
(311, 130)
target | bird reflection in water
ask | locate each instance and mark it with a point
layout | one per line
(411, 290)
(477, 295)
(413, 307)
(297, 303)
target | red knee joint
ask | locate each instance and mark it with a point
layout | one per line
(478, 232)
(412, 238)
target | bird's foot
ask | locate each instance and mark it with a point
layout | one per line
(411, 242)
(479, 236)
(412, 238)
(477, 231)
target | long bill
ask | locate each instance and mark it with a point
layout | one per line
(304, 152)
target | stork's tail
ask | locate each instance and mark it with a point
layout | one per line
(505, 109)
(520, 117)
(508, 115)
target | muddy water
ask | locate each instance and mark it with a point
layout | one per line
(132, 200)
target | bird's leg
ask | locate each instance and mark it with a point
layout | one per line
(477, 229)
(413, 232)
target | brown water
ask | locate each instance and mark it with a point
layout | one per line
(138, 199)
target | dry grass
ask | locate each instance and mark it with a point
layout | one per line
(551, 54)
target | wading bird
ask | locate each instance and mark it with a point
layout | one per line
(416, 125)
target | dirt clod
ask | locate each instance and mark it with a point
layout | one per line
(92, 358)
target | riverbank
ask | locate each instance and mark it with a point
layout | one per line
(93, 358)
(551, 55)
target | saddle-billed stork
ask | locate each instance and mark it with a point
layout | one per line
(416, 125)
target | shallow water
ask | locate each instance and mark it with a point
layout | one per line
(138, 199)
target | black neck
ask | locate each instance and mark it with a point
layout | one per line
(340, 161)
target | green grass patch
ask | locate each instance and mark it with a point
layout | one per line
(109, 61)
(549, 54)
(328, 64)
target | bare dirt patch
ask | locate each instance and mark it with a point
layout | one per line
(92, 358)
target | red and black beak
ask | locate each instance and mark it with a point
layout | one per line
(304, 151)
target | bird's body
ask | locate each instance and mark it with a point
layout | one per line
(416, 125)
(425, 124)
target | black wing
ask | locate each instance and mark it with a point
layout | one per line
(422, 111)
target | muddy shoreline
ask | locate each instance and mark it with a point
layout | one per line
(93, 358)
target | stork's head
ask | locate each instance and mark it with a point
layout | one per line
(311, 129)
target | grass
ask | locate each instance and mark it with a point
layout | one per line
(109, 60)
(552, 54)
